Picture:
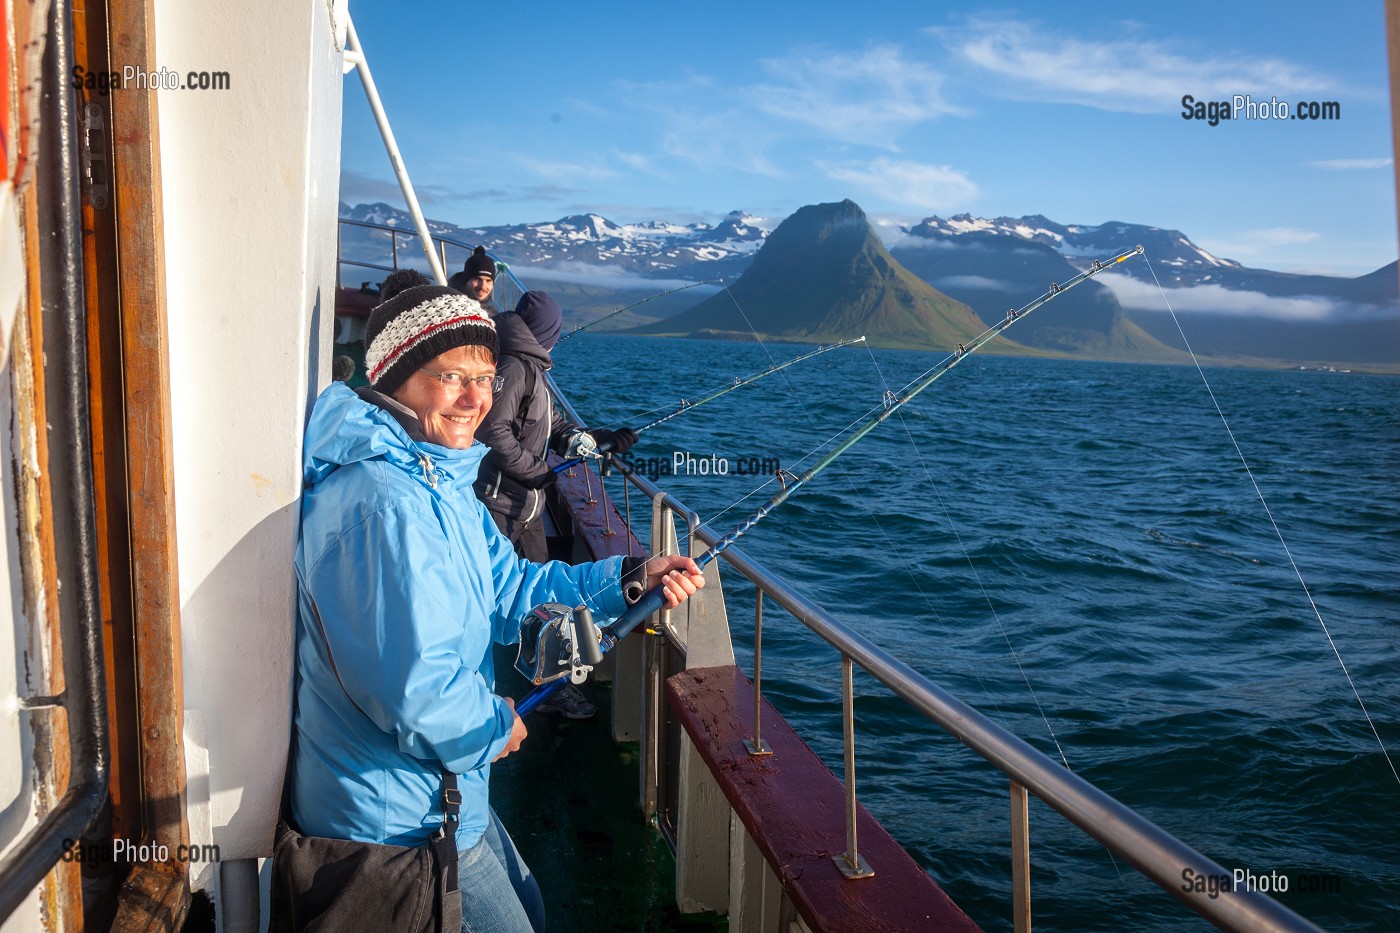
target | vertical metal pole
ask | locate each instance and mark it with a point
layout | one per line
(442, 254)
(653, 651)
(851, 864)
(588, 483)
(1020, 860)
(394, 248)
(756, 745)
(355, 54)
(607, 510)
(627, 508)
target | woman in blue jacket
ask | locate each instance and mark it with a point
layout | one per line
(404, 583)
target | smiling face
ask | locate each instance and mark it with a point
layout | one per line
(450, 415)
(479, 287)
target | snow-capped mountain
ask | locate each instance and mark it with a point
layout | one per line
(653, 249)
(1168, 248)
(1179, 262)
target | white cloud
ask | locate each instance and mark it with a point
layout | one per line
(1250, 244)
(1344, 165)
(868, 97)
(1216, 299)
(640, 162)
(566, 171)
(974, 281)
(1126, 75)
(915, 184)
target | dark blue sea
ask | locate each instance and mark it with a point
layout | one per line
(1076, 550)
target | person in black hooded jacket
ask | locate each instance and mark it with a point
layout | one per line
(523, 426)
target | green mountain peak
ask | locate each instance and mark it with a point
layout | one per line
(824, 275)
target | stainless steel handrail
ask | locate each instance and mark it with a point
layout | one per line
(1153, 851)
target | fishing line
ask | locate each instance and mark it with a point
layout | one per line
(612, 314)
(1277, 532)
(905, 564)
(928, 474)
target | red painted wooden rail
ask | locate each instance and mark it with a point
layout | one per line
(794, 808)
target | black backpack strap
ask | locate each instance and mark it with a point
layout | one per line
(444, 843)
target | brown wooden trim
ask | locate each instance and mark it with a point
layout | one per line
(109, 451)
(794, 809)
(150, 471)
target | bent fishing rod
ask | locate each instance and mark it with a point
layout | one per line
(739, 382)
(612, 314)
(587, 650)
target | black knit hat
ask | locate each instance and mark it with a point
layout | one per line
(415, 325)
(478, 263)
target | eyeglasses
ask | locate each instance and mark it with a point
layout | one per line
(455, 380)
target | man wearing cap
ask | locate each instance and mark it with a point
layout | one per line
(477, 279)
(404, 582)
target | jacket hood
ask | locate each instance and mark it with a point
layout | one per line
(542, 314)
(346, 428)
(517, 339)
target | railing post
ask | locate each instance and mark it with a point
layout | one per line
(850, 863)
(756, 746)
(394, 248)
(654, 649)
(1020, 860)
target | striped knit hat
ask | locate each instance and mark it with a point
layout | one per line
(417, 324)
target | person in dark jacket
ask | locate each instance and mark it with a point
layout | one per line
(521, 428)
(477, 280)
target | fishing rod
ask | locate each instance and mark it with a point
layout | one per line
(634, 304)
(738, 382)
(580, 644)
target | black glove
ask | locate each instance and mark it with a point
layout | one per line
(614, 442)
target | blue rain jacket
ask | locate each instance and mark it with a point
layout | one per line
(412, 583)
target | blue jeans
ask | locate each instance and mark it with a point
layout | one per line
(499, 895)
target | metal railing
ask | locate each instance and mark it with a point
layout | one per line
(1154, 852)
(508, 286)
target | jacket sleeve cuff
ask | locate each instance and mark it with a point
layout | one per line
(634, 579)
(605, 583)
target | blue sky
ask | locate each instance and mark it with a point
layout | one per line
(529, 112)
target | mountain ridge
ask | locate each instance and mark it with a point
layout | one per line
(988, 264)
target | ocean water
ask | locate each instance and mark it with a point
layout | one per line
(1076, 550)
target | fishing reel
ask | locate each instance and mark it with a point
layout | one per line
(555, 642)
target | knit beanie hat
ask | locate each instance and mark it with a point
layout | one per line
(478, 263)
(415, 325)
(541, 314)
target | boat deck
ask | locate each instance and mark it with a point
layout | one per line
(569, 800)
